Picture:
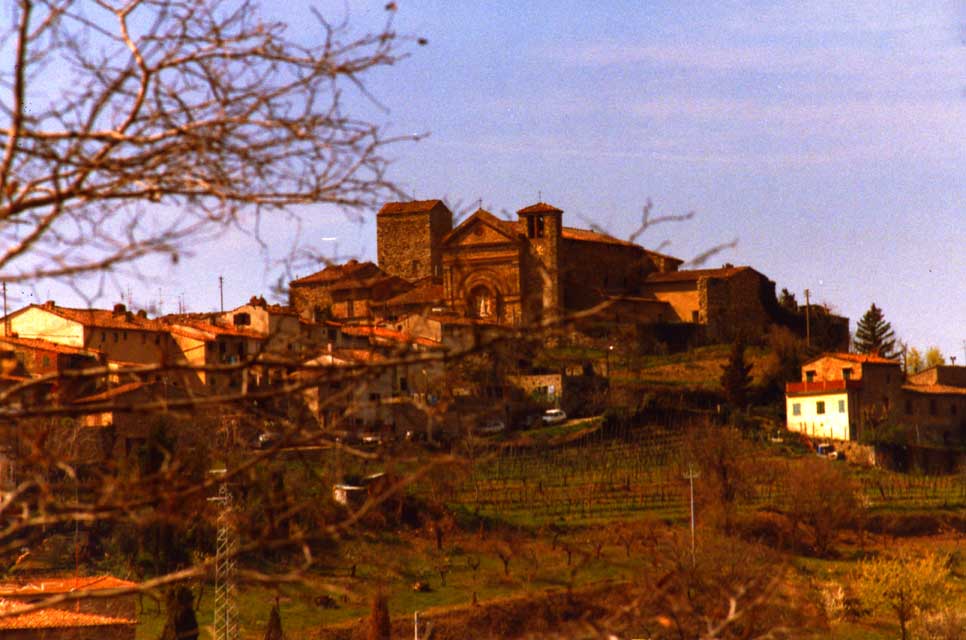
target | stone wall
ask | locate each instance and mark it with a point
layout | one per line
(590, 271)
(408, 244)
(736, 304)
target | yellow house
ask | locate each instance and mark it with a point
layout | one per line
(839, 392)
(119, 334)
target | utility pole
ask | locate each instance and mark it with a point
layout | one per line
(808, 320)
(690, 476)
(6, 321)
(221, 292)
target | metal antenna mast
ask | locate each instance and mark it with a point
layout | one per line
(226, 548)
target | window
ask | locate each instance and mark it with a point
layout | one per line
(952, 409)
(797, 409)
(242, 319)
(535, 226)
(46, 361)
(847, 374)
(117, 337)
(415, 266)
(695, 316)
(909, 405)
(933, 409)
(820, 407)
(350, 308)
(841, 406)
(373, 397)
(809, 376)
(403, 384)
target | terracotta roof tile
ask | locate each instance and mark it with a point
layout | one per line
(585, 235)
(414, 206)
(335, 272)
(54, 585)
(426, 294)
(45, 345)
(860, 358)
(110, 394)
(385, 333)
(53, 618)
(695, 274)
(540, 207)
(103, 318)
(935, 389)
(190, 327)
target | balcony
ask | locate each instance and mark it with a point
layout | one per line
(822, 386)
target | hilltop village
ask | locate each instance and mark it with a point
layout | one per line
(439, 291)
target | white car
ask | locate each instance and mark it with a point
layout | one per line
(553, 416)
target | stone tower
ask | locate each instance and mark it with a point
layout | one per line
(543, 226)
(409, 236)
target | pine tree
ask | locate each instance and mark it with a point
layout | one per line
(874, 335)
(736, 376)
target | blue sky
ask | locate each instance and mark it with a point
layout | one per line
(827, 138)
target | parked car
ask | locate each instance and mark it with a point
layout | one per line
(554, 416)
(266, 439)
(493, 425)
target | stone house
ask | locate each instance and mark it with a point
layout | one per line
(934, 403)
(844, 396)
(350, 292)
(211, 350)
(726, 300)
(33, 357)
(119, 334)
(280, 328)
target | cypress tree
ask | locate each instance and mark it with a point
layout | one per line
(736, 376)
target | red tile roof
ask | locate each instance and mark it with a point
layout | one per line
(585, 235)
(110, 394)
(540, 207)
(386, 333)
(190, 328)
(935, 389)
(53, 618)
(46, 345)
(414, 206)
(102, 318)
(54, 585)
(859, 358)
(695, 274)
(426, 294)
(335, 272)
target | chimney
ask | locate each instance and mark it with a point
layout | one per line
(119, 309)
(142, 314)
(50, 304)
